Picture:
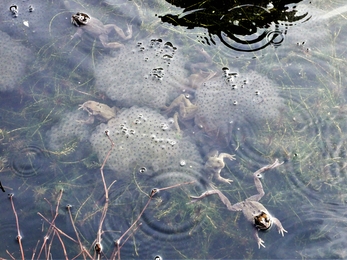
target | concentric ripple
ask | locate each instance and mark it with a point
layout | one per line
(168, 220)
(247, 35)
(28, 161)
(238, 29)
(321, 232)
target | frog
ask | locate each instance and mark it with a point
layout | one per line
(96, 28)
(215, 163)
(187, 110)
(223, 99)
(97, 110)
(252, 209)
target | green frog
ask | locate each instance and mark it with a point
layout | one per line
(96, 28)
(252, 209)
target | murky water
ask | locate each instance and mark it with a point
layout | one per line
(282, 96)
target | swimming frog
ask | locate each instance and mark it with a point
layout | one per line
(215, 163)
(98, 110)
(252, 209)
(96, 28)
(185, 109)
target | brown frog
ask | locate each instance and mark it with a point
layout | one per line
(215, 163)
(98, 110)
(96, 28)
(186, 109)
(252, 209)
(213, 166)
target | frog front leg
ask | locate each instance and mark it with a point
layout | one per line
(78, 33)
(279, 226)
(260, 241)
(257, 182)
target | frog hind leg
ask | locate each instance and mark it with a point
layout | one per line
(119, 31)
(111, 45)
(257, 182)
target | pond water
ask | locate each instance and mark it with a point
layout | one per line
(186, 97)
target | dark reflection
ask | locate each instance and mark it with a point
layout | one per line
(1, 187)
(241, 25)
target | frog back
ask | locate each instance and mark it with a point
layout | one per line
(251, 209)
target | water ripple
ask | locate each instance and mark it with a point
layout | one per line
(28, 161)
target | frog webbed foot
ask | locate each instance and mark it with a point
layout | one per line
(260, 241)
(221, 179)
(279, 227)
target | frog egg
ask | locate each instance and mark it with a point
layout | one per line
(171, 121)
(137, 121)
(171, 142)
(163, 149)
(142, 169)
(164, 126)
(13, 62)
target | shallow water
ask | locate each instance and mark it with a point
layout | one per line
(45, 146)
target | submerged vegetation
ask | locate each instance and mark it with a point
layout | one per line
(91, 209)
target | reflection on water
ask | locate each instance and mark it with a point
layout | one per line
(246, 26)
(288, 104)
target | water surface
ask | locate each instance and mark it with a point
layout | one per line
(296, 112)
